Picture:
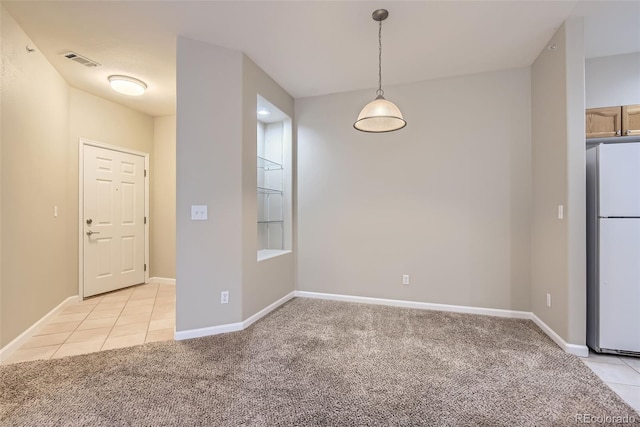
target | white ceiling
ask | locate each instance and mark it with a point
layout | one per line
(309, 47)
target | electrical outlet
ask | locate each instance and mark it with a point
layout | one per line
(548, 300)
(405, 279)
(224, 297)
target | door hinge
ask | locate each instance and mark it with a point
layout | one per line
(145, 267)
(145, 173)
(145, 219)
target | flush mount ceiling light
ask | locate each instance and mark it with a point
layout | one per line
(127, 85)
(264, 112)
(380, 115)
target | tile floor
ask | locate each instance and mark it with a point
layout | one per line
(146, 313)
(620, 373)
(136, 315)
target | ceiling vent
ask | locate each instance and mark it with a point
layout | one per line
(80, 59)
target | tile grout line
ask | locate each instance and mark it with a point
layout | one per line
(74, 329)
(22, 347)
(628, 385)
(635, 368)
(155, 298)
(83, 320)
(599, 362)
(114, 323)
(148, 321)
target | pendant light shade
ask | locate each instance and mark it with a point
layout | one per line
(380, 115)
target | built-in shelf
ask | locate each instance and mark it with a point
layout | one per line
(266, 190)
(264, 254)
(273, 181)
(268, 165)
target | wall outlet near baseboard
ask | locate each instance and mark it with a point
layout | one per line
(224, 297)
(405, 279)
(548, 300)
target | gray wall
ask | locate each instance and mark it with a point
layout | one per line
(558, 245)
(266, 281)
(613, 80)
(576, 179)
(446, 200)
(209, 172)
(216, 166)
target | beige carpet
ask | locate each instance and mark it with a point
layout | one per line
(323, 363)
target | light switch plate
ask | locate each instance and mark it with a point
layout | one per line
(198, 212)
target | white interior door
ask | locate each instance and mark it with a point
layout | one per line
(114, 216)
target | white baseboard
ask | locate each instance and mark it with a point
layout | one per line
(9, 349)
(205, 332)
(419, 305)
(231, 327)
(259, 315)
(578, 350)
(162, 280)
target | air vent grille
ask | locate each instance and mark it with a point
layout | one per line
(83, 60)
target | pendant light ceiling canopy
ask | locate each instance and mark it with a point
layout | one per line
(380, 115)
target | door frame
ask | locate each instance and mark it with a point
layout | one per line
(81, 143)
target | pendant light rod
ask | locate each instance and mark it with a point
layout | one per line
(380, 15)
(380, 92)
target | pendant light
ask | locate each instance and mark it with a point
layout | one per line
(380, 115)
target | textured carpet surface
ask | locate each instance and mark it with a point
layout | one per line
(326, 363)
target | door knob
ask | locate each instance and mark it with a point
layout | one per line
(89, 221)
(89, 233)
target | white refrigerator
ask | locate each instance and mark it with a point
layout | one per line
(613, 248)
